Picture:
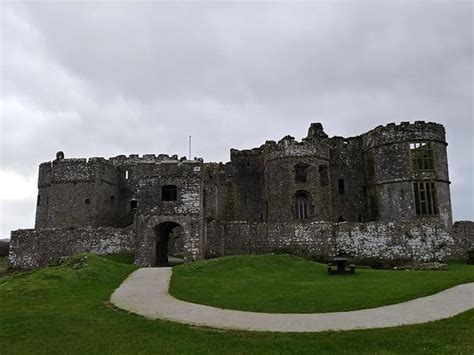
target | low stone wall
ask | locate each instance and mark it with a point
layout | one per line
(375, 241)
(463, 235)
(4, 247)
(32, 248)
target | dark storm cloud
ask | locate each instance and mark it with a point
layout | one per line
(113, 78)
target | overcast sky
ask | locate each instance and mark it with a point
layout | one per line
(103, 79)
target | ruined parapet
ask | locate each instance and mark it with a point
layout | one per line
(407, 172)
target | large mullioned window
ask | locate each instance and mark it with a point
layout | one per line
(425, 198)
(422, 156)
(301, 205)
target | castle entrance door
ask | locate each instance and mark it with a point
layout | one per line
(169, 243)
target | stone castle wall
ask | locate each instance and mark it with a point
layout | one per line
(32, 248)
(375, 241)
(463, 235)
(367, 181)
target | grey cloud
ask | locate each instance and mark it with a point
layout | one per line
(113, 78)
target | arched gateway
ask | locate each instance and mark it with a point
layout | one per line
(162, 236)
(169, 242)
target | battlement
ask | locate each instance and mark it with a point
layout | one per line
(404, 132)
(76, 170)
(73, 170)
(133, 159)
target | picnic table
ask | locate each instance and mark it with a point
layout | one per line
(339, 266)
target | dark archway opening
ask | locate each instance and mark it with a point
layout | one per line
(169, 243)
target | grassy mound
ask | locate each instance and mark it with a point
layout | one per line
(65, 310)
(289, 284)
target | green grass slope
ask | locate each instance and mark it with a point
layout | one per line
(65, 310)
(289, 284)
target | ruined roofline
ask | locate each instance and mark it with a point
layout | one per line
(381, 129)
(315, 133)
(404, 125)
(124, 160)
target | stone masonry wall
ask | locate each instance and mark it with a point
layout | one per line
(463, 235)
(375, 241)
(32, 248)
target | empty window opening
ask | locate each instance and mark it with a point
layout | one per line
(169, 193)
(301, 205)
(360, 218)
(425, 198)
(87, 201)
(301, 173)
(38, 200)
(372, 204)
(369, 164)
(47, 200)
(422, 156)
(112, 199)
(323, 175)
(133, 204)
(126, 174)
(341, 187)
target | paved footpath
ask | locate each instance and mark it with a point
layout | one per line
(145, 292)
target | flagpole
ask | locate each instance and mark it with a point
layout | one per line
(190, 148)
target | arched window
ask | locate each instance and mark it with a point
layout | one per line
(301, 205)
(323, 175)
(169, 193)
(301, 172)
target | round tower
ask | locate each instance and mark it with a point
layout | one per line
(407, 172)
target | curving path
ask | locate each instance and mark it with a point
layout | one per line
(145, 292)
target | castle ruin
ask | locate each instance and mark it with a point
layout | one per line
(382, 195)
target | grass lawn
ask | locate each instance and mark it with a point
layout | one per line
(290, 284)
(65, 309)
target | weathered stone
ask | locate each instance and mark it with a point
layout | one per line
(285, 195)
(32, 248)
